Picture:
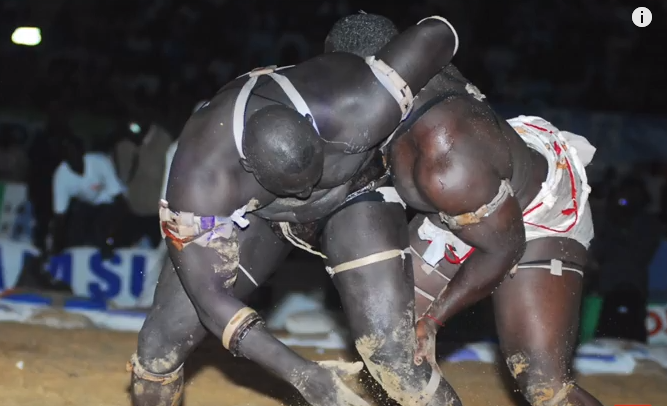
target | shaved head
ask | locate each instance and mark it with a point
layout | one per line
(283, 150)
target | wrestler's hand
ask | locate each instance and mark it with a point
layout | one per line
(426, 330)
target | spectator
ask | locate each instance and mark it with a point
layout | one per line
(655, 183)
(140, 161)
(153, 274)
(602, 188)
(87, 189)
(44, 154)
(13, 157)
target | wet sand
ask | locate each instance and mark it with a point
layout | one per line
(87, 368)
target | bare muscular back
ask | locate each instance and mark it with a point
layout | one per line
(208, 139)
(451, 126)
(351, 110)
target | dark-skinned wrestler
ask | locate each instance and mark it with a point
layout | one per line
(274, 159)
(514, 190)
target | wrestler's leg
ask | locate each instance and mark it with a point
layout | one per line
(173, 330)
(537, 316)
(207, 273)
(378, 299)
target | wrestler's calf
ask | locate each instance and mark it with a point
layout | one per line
(540, 384)
(149, 389)
(169, 334)
(389, 359)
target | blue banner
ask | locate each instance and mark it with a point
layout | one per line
(119, 279)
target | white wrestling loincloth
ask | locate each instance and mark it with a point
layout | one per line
(561, 207)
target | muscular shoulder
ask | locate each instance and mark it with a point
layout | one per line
(210, 184)
(456, 183)
(458, 123)
(455, 170)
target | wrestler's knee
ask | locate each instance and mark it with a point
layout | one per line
(389, 360)
(542, 381)
(163, 347)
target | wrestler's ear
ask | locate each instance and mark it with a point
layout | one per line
(246, 165)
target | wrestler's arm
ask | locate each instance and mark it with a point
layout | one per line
(421, 51)
(404, 65)
(458, 185)
(208, 274)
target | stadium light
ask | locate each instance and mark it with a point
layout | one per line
(27, 36)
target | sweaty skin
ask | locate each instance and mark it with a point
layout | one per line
(451, 160)
(354, 114)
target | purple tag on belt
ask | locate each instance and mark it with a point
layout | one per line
(207, 222)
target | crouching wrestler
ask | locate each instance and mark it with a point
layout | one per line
(499, 198)
(279, 158)
(461, 254)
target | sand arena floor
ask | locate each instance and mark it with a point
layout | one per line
(87, 368)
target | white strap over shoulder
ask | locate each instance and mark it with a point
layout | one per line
(451, 27)
(244, 95)
(239, 113)
(294, 96)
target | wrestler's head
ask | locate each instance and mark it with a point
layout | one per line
(360, 34)
(283, 150)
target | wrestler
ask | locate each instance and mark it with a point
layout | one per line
(278, 157)
(498, 197)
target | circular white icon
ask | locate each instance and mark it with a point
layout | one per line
(642, 17)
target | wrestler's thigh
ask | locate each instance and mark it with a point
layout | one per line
(260, 253)
(537, 313)
(378, 299)
(375, 295)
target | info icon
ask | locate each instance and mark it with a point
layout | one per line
(642, 17)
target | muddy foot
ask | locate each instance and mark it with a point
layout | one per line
(324, 386)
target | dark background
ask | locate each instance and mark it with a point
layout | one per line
(167, 54)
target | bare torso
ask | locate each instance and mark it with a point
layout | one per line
(350, 139)
(434, 136)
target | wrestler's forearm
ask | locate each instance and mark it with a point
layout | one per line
(208, 274)
(477, 278)
(256, 342)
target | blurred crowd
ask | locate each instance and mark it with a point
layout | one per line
(82, 195)
(167, 54)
